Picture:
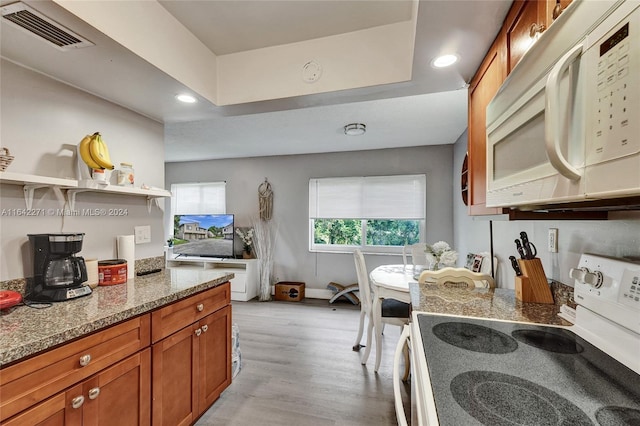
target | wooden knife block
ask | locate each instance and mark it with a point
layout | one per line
(532, 285)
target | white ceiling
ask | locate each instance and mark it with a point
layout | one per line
(429, 109)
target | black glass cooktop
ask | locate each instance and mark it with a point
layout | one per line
(497, 373)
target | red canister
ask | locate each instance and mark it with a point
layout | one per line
(112, 272)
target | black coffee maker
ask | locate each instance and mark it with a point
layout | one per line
(57, 274)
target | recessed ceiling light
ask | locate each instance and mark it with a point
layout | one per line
(355, 129)
(188, 99)
(445, 61)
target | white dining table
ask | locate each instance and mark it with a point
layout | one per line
(388, 282)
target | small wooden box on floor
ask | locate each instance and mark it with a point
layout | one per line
(290, 291)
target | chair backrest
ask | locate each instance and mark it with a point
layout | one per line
(457, 278)
(417, 253)
(363, 280)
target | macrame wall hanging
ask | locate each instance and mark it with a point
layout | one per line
(265, 200)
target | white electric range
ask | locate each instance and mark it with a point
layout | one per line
(475, 371)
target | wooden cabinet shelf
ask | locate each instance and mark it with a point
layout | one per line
(464, 180)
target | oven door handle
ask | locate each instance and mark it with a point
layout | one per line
(552, 123)
(397, 396)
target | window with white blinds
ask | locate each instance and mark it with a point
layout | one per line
(370, 197)
(373, 213)
(198, 198)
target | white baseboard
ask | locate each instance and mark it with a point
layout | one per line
(318, 293)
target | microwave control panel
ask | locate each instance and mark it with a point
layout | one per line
(613, 102)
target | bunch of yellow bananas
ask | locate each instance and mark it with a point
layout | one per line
(94, 152)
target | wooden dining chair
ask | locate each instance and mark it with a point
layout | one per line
(392, 311)
(457, 278)
(417, 252)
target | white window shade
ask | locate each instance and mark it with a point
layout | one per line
(376, 197)
(198, 198)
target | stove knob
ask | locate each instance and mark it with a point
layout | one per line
(594, 279)
(578, 273)
(585, 276)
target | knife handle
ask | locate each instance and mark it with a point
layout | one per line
(515, 266)
(520, 249)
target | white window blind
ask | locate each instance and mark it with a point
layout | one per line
(198, 198)
(373, 197)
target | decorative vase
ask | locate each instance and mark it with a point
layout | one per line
(247, 254)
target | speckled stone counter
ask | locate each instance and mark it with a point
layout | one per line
(26, 331)
(497, 303)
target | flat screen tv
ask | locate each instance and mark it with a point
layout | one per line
(205, 235)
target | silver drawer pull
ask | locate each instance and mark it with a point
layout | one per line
(93, 393)
(85, 360)
(205, 328)
(200, 307)
(77, 401)
(198, 332)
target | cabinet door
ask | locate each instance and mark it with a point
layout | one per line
(214, 352)
(483, 87)
(120, 395)
(55, 411)
(174, 369)
(524, 16)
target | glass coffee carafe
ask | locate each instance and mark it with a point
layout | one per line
(65, 272)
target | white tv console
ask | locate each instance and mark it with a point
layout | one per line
(244, 286)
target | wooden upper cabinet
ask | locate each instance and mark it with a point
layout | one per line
(526, 20)
(512, 42)
(483, 88)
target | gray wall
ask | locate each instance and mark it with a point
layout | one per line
(40, 117)
(289, 177)
(619, 236)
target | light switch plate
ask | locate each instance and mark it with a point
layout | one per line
(143, 234)
(552, 242)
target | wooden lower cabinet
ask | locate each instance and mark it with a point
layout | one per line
(119, 395)
(122, 376)
(191, 368)
(214, 352)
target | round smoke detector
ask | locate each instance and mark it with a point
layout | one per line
(311, 72)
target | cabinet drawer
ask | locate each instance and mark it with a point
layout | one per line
(169, 319)
(27, 382)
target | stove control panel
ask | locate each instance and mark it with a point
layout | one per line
(609, 287)
(630, 288)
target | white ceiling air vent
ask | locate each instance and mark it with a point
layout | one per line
(42, 26)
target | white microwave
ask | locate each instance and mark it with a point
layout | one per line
(565, 125)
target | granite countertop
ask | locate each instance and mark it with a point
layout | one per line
(496, 303)
(25, 331)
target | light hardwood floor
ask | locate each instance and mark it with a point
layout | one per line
(298, 369)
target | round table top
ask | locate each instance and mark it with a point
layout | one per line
(396, 277)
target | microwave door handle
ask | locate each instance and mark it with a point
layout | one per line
(552, 125)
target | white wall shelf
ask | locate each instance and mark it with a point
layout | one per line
(32, 182)
(244, 286)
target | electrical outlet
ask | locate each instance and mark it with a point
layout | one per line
(143, 234)
(552, 242)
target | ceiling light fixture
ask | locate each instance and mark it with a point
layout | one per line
(188, 99)
(445, 60)
(355, 129)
